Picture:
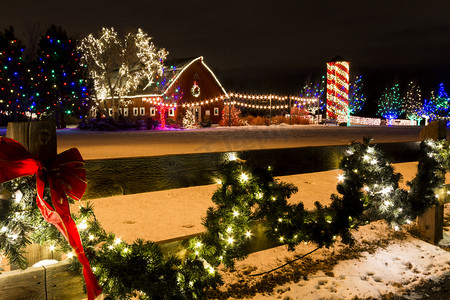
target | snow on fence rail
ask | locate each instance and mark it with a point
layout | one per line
(58, 282)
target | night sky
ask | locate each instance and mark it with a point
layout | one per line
(272, 45)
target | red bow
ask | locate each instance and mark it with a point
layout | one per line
(66, 176)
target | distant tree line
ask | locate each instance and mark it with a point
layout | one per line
(61, 77)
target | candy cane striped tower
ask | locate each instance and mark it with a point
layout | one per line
(337, 88)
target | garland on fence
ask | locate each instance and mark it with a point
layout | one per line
(368, 190)
(368, 187)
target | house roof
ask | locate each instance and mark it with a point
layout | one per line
(171, 72)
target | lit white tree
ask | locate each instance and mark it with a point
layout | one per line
(189, 119)
(412, 105)
(119, 66)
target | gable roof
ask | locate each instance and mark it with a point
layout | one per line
(172, 71)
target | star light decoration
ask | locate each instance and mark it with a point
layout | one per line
(118, 66)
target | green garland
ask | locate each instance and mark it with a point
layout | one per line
(368, 191)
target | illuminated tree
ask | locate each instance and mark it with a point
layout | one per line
(13, 91)
(412, 105)
(442, 100)
(356, 97)
(429, 108)
(62, 83)
(188, 119)
(119, 65)
(314, 89)
(390, 103)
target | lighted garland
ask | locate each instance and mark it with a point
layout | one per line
(368, 191)
(123, 270)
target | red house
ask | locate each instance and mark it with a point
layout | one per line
(185, 84)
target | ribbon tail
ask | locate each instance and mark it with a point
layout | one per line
(61, 219)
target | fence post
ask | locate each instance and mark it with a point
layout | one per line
(39, 138)
(431, 222)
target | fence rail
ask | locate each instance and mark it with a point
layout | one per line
(168, 172)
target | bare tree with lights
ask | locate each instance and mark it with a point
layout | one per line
(119, 65)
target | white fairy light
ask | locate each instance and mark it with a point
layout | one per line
(231, 156)
(229, 229)
(235, 213)
(198, 244)
(18, 196)
(52, 248)
(91, 237)
(341, 177)
(230, 240)
(83, 225)
(117, 241)
(70, 255)
(244, 177)
(248, 234)
(3, 229)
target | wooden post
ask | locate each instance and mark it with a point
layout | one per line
(431, 223)
(39, 138)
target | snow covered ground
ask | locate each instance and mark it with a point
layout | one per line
(391, 266)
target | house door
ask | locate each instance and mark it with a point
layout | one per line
(198, 114)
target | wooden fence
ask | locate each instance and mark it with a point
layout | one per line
(168, 172)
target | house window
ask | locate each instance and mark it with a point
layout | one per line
(110, 112)
(120, 111)
(216, 111)
(152, 112)
(135, 111)
(142, 111)
(171, 112)
(207, 112)
(125, 112)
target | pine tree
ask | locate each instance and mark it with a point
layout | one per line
(13, 88)
(188, 119)
(442, 100)
(429, 109)
(412, 105)
(356, 97)
(63, 85)
(390, 102)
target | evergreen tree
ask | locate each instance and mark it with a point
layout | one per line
(442, 100)
(62, 80)
(356, 97)
(13, 91)
(412, 105)
(390, 102)
(429, 109)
